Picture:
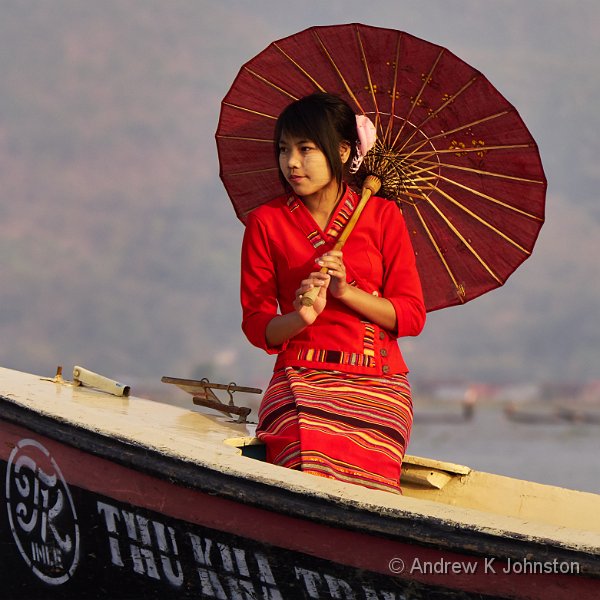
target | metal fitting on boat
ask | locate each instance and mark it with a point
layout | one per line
(87, 378)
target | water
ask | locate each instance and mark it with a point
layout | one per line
(564, 454)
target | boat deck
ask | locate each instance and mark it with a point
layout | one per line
(453, 493)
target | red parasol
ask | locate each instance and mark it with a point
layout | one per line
(459, 160)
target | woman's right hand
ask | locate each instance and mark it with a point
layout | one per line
(284, 327)
(309, 314)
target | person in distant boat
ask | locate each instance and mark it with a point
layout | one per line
(338, 404)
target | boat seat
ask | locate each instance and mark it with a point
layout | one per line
(417, 471)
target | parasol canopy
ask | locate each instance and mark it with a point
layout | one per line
(461, 163)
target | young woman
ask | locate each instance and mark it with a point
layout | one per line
(339, 402)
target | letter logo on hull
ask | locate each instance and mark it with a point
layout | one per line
(41, 513)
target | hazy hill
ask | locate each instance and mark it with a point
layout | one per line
(118, 246)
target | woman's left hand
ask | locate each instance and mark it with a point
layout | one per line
(334, 262)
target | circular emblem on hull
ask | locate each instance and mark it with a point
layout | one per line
(41, 513)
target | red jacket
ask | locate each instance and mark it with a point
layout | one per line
(281, 243)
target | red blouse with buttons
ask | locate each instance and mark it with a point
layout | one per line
(281, 244)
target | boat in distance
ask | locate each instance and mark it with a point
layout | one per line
(108, 495)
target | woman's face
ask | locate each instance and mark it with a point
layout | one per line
(304, 166)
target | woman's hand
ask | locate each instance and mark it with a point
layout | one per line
(282, 328)
(334, 262)
(309, 314)
(372, 307)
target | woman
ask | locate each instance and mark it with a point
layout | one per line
(339, 402)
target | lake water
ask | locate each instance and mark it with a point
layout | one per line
(563, 454)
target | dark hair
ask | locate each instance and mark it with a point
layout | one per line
(326, 120)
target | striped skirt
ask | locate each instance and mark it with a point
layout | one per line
(353, 428)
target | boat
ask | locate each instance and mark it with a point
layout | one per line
(464, 415)
(534, 416)
(580, 414)
(553, 415)
(109, 495)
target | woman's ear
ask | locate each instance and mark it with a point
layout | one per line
(345, 149)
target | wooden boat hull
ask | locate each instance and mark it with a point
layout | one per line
(91, 515)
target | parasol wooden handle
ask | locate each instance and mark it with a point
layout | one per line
(371, 186)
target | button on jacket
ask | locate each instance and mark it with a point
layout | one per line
(281, 244)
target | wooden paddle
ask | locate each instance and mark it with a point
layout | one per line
(371, 186)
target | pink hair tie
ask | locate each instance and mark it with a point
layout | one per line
(367, 135)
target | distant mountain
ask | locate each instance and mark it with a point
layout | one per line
(118, 246)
